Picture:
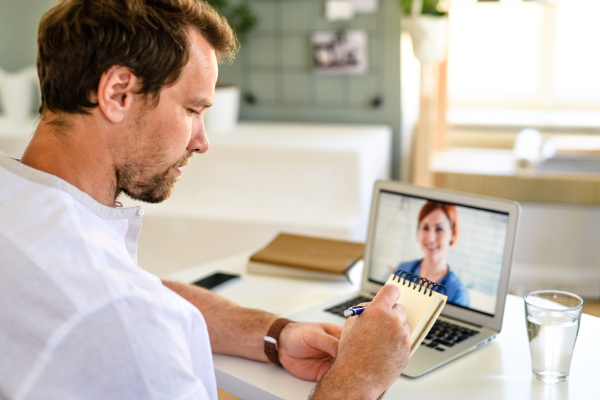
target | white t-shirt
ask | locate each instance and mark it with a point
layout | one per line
(79, 319)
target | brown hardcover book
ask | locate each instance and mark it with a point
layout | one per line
(306, 257)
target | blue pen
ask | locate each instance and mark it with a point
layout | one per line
(354, 310)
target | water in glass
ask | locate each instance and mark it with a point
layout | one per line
(552, 338)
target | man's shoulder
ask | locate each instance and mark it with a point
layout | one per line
(46, 306)
(58, 233)
(53, 245)
(26, 204)
(62, 286)
(20, 181)
(56, 328)
(58, 252)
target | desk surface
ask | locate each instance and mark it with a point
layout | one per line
(500, 370)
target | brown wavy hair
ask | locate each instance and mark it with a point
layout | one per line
(448, 209)
(78, 40)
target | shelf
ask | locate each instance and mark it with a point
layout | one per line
(491, 172)
(497, 118)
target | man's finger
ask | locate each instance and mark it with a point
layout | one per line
(399, 308)
(323, 369)
(388, 295)
(333, 329)
(324, 342)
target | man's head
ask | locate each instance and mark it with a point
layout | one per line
(142, 72)
(78, 40)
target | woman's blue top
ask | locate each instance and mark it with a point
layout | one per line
(457, 292)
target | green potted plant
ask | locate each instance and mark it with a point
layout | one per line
(223, 115)
(427, 23)
(239, 15)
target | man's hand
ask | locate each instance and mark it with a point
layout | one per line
(308, 350)
(372, 352)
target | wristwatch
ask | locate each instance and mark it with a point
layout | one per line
(271, 340)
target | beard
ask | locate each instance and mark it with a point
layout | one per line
(154, 189)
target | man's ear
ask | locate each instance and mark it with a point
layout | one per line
(116, 92)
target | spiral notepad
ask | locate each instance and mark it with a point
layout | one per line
(423, 302)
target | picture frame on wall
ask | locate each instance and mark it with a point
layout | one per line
(340, 52)
(365, 6)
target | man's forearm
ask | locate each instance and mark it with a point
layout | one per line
(233, 330)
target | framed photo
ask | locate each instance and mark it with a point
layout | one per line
(340, 53)
(364, 6)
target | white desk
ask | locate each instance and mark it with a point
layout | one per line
(500, 370)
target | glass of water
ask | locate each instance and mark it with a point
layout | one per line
(552, 325)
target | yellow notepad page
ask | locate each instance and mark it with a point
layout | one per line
(423, 307)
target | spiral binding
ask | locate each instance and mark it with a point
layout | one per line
(416, 280)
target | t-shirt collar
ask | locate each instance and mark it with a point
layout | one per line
(34, 175)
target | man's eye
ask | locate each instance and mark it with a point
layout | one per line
(192, 112)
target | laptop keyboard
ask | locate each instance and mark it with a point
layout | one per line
(446, 334)
(442, 335)
(339, 309)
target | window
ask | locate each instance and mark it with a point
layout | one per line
(524, 55)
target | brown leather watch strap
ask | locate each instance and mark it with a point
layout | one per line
(272, 338)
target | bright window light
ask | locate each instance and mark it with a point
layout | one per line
(530, 55)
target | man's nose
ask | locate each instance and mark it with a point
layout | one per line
(198, 141)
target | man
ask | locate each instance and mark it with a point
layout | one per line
(124, 86)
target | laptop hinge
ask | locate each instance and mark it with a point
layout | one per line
(461, 321)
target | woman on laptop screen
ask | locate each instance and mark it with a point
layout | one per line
(437, 231)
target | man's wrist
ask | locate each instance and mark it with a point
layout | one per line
(343, 383)
(272, 339)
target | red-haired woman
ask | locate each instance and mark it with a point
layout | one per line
(437, 232)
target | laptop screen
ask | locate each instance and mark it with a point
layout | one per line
(461, 247)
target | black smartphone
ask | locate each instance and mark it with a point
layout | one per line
(214, 280)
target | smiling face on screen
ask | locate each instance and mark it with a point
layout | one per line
(435, 235)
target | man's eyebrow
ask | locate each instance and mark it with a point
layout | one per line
(201, 103)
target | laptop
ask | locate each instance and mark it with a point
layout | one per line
(401, 236)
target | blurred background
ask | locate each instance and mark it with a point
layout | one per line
(500, 98)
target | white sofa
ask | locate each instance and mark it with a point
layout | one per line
(261, 179)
